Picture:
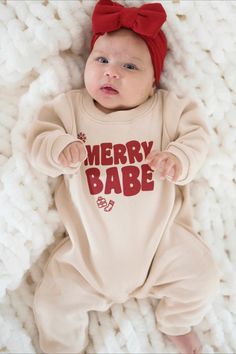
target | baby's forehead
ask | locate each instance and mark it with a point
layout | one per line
(124, 35)
(123, 41)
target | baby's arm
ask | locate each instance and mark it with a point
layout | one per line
(53, 131)
(191, 142)
(186, 139)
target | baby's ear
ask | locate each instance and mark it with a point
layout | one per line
(154, 88)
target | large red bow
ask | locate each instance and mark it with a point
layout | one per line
(145, 20)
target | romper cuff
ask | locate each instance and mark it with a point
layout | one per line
(177, 150)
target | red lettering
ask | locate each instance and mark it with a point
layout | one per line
(94, 183)
(131, 184)
(146, 147)
(93, 155)
(106, 158)
(133, 148)
(146, 177)
(112, 181)
(119, 154)
(129, 179)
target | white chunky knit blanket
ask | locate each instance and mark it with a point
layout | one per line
(43, 47)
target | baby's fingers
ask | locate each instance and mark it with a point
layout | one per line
(153, 154)
(157, 162)
(82, 151)
(166, 169)
(63, 160)
(75, 152)
(72, 154)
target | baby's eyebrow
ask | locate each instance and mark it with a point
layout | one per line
(127, 59)
(136, 58)
(98, 52)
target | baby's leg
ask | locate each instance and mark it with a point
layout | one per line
(184, 277)
(61, 306)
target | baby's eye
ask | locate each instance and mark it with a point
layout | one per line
(102, 60)
(130, 66)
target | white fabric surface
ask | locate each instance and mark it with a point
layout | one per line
(43, 47)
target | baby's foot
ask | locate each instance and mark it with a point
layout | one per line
(187, 343)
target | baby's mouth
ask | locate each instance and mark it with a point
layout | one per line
(108, 89)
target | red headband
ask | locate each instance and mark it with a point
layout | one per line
(146, 21)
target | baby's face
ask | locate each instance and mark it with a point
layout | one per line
(119, 72)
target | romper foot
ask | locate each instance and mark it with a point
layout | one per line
(188, 343)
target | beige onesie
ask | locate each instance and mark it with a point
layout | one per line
(130, 233)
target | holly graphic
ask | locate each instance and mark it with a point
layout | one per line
(82, 137)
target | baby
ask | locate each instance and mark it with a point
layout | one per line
(124, 153)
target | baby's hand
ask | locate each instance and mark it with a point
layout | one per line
(167, 164)
(72, 154)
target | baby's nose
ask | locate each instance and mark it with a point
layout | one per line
(111, 73)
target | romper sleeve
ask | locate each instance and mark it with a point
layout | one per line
(52, 130)
(191, 139)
